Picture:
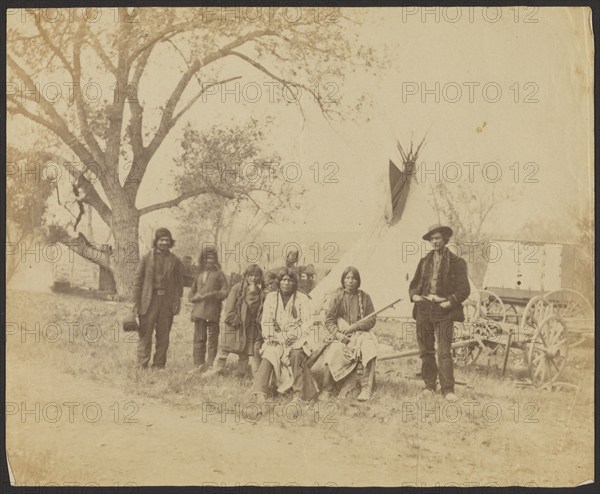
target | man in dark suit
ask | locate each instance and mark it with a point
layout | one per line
(438, 289)
(157, 292)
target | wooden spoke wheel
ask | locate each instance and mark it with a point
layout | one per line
(491, 306)
(573, 308)
(485, 305)
(548, 350)
(466, 356)
(536, 310)
(512, 314)
(484, 337)
(470, 308)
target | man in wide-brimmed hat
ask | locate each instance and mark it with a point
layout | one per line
(438, 289)
(157, 292)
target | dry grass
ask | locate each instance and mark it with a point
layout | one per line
(536, 433)
(82, 337)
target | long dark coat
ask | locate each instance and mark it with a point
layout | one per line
(453, 282)
(144, 280)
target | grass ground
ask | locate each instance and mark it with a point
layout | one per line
(499, 433)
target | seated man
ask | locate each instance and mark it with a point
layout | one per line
(347, 307)
(286, 323)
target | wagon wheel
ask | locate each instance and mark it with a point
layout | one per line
(491, 306)
(471, 309)
(484, 337)
(573, 307)
(487, 305)
(548, 350)
(536, 310)
(466, 356)
(512, 314)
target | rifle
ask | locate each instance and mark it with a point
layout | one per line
(314, 356)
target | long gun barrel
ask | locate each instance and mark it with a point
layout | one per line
(328, 339)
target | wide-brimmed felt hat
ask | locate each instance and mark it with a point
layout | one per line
(443, 229)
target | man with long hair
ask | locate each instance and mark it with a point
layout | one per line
(286, 326)
(157, 292)
(207, 293)
(345, 318)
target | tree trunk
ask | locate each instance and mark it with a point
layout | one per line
(125, 256)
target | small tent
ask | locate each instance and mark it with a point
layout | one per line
(388, 254)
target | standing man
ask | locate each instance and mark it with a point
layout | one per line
(157, 292)
(439, 287)
(207, 293)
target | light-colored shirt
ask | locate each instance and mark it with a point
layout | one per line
(433, 285)
(276, 315)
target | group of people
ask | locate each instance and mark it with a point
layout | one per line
(269, 323)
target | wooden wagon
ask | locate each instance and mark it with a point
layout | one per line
(527, 312)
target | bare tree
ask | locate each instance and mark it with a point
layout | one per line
(467, 211)
(100, 136)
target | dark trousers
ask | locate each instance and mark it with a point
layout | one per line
(303, 385)
(433, 323)
(263, 378)
(159, 317)
(205, 332)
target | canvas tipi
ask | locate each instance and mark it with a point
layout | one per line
(388, 254)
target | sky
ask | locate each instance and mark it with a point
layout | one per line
(536, 111)
(511, 87)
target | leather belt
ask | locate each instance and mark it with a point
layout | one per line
(160, 291)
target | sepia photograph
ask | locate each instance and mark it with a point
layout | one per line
(299, 247)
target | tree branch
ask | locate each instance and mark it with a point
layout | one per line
(40, 100)
(182, 197)
(162, 36)
(287, 84)
(135, 134)
(266, 213)
(82, 246)
(57, 125)
(86, 132)
(53, 47)
(21, 110)
(166, 121)
(200, 93)
(115, 110)
(91, 196)
(92, 40)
